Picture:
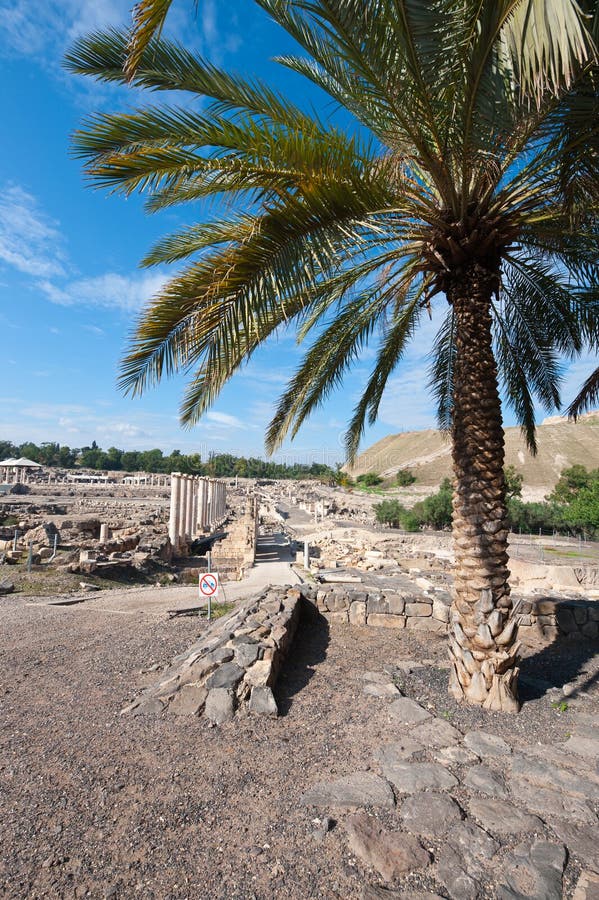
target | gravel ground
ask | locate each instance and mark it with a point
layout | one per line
(95, 804)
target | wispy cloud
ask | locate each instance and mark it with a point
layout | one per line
(220, 418)
(43, 30)
(30, 241)
(108, 291)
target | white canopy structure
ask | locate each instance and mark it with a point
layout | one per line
(15, 469)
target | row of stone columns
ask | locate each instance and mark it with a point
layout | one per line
(197, 505)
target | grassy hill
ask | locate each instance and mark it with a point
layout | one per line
(428, 453)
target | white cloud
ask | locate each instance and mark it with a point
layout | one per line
(29, 240)
(45, 29)
(108, 291)
(224, 419)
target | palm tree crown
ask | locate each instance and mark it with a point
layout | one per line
(471, 185)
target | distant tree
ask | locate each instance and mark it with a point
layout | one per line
(388, 512)
(8, 450)
(436, 510)
(513, 482)
(582, 513)
(571, 482)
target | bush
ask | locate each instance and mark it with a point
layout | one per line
(369, 479)
(436, 510)
(391, 512)
(388, 512)
(405, 478)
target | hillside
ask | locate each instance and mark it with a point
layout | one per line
(428, 453)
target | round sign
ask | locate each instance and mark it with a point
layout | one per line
(208, 584)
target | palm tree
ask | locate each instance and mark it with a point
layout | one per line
(457, 195)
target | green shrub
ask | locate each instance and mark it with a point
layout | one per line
(388, 512)
(369, 479)
(405, 477)
(436, 510)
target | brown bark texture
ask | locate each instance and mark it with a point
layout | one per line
(483, 629)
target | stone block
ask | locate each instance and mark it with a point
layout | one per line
(591, 630)
(226, 676)
(396, 603)
(357, 613)
(426, 624)
(550, 632)
(382, 620)
(594, 612)
(261, 674)
(262, 702)
(336, 601)
(220, 706)
(377, 604)
(440, 611)
(565, 620)
(546, 620)
(246, 654)
(419, 608)
(189, 701)
(546, 607)
(580, 614)
(341, 615)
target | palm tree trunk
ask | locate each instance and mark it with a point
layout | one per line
(483, 646)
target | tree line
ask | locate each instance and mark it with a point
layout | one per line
(571, 508)
(218, 465)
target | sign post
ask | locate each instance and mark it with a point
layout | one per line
(208, 588)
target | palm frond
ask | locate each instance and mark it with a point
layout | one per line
(148, 18)
(587, 397)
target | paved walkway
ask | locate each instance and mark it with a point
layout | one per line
(482, 818)
(272, 566)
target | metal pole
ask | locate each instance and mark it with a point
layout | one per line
(306, 555)
(15, 539)
(209, 563)
(55, 548)
(30, 556)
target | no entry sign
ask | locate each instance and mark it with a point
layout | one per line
(208, 585)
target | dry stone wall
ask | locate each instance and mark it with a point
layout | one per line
(233, 666)
(367, 605)
(546, 618)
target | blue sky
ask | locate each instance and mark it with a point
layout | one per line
(70, 285)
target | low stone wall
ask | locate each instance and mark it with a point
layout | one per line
(233, 666)
(547, 618)
(363, 605)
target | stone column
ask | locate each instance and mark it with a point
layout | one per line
(210, 517)
(182, 509)
(173, 523)
(194, 507)
(103, 533)
(188, 507)
(200, 505)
